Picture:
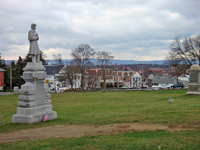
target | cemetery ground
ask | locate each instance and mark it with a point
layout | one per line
(108, 120)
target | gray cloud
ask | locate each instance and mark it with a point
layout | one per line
(129, 29)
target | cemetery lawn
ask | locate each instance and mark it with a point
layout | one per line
(100, 108)
(103, 108)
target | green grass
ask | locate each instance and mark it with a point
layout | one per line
(184, 140)
(98, 108)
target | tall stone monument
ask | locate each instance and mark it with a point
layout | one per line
(34, 99)
(194, 81)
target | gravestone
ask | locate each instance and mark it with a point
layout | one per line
(16, 90)
(34, 99)
(194, 81)
(170, 100)
(149, 84)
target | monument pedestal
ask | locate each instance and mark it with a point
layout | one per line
(34, 96)
(194, 83)
(34, 114)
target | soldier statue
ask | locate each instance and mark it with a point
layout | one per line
(34, 51)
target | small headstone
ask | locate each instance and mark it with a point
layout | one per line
(170, 100)
(16, 90)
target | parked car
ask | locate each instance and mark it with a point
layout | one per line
(125, 87)
(135, 87)
(165, 86)
(178, 85)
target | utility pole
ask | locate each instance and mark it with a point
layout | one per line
(10, 77)
(54, 81)
(117, 75)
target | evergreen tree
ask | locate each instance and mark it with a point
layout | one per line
(7, 76)
(19, 72)
(27, 59)
(13, 71)
(42, 56)
(2, 62)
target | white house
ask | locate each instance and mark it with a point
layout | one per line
(129, 78)
(76, 81)
(136, 79)
(53, 76)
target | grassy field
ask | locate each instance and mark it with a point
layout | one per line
(98, 108)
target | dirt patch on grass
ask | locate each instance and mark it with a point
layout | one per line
(64, 131)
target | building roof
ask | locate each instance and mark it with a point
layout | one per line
(98, 73)
(52, 69)
(132, 74)
(163, 80)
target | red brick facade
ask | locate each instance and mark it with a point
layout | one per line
(1, 78)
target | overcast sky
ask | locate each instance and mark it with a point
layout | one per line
(129, 29)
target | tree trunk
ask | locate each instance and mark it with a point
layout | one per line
(72, 86)
(82, 84)
(104, 84)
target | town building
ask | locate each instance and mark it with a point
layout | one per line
(1, 78)
(53, 75)
(129, 78)
(94, 78)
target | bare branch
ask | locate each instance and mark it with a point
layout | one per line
(82, 56)
(104, 60)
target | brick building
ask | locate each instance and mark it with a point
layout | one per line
(1, 78)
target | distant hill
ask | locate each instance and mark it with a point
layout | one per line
(115, 61)
(121, 62)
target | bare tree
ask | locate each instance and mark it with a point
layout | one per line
(69, 71)
(82, 58)
(146, 72)
(91, 80)
(196, 42)
(104, 60)
(183, 54)
(58, 59)
(186, 51)
(60, 63)
(177, 68)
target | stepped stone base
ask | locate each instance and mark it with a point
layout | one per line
(33, 114)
